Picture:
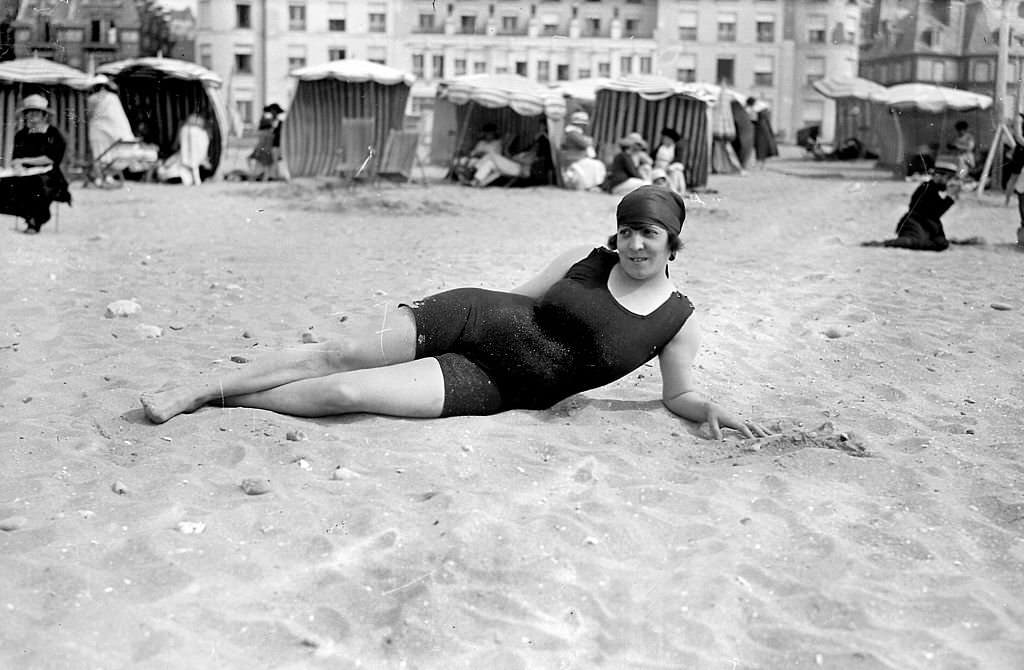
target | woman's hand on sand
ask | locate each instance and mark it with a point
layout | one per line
(718, 418)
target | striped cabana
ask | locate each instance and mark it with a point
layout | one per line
(328, 94)
(907, 116)
(65, 87)
(855, 116)
(512, 102)
(158, 94)
(646, 104)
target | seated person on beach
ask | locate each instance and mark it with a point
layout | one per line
(533, 164)
(592, 316)
(582, 170)
(37, 154)
(488, 142)
(624, 173)
(963, 146)
(669, 159)
(113, 145)
(183, 167)
(920, 228)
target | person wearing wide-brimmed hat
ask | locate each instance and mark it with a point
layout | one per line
(624, 173)
(581, 170)
(38, 146)
(920, 228)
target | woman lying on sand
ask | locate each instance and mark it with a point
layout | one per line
(591, 317)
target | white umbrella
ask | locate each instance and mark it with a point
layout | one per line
(41, 71)
(179, 69)
(525, 96)
(848, 87)
(930, 98)
(354, 70)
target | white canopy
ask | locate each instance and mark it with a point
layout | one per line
(584, 90)
(41, 71)
(355, 70)
(171, 67)
(524, 96)
(848, 87)
(930, 98)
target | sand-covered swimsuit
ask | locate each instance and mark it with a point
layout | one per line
(501, 351)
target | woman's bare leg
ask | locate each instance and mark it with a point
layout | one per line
(413, 389)
(370, 344)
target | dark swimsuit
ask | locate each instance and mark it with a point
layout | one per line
(501, 351)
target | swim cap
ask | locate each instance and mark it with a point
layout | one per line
(654, 205)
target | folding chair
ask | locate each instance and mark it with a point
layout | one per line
(356, 148)
(400, 156)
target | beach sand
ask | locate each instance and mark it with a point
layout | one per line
(881, 527)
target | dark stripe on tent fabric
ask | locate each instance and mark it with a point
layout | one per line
(618, 113)
(311, 136)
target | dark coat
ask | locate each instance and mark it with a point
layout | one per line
(30, 197)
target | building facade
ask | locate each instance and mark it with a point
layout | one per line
(772, 49)
(947, 42)
(79, 33)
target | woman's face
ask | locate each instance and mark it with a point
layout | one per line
(34, 117)
(643, 250)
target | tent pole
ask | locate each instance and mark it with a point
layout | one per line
(899, 139)
(995, 148)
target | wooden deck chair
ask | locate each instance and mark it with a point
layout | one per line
(356, 146)
(400, 156)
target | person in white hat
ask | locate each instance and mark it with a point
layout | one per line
(38, 151)
(581, 170)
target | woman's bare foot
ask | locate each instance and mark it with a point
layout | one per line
(168, 403)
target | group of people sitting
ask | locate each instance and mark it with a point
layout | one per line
(34, 179)
(580, 168)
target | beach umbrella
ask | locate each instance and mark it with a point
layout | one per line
(338, 110)
(847, 87)
(647, 103)
(930, 98)
(158, 95)
(41, 71)
(524, 96)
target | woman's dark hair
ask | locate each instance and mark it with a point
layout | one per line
(674, 244)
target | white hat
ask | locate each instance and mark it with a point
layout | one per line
(35, 102)
(579, 118)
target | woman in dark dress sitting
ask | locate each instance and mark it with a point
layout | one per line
(37, 179)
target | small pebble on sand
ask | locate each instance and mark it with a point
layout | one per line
(122, 308)
(309, 338)
(191, 527)
(1001, 306)
(247, 334)
(148, 331)
(239, 359)
(119, 488)
(833, 333)
(303, 463)
(254, 486)
(13, 523)
(295, 436)
(344, 474)
(176, 326)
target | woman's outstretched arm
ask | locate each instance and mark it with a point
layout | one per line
(679, 392)
(539, 285)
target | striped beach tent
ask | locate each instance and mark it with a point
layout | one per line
(158, 94)
(327, 95)
(66, 89)
(646, 104)
(922, 115)
(513, 103)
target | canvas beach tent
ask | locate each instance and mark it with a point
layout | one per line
(854, 115)
(159, 94)
(67, 91)
(646, 104)
(515, 104)
(924, 114)
(339, 109)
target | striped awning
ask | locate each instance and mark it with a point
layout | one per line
(41, 71)
(354, 70)
(847, 87)
(653, 87)
(931, 98)
(170, 67)
(524, 96)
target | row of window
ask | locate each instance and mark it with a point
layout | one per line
(377, 20)
(511, 24)
(938, 71)
(764, 28)
(243, 57)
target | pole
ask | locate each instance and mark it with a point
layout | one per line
(263, 54)
(1000, 107)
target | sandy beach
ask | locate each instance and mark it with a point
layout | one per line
(882, 527)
